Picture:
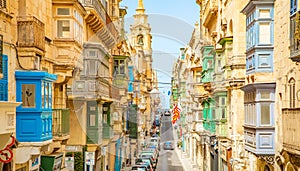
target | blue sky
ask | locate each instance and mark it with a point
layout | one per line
(172, 23)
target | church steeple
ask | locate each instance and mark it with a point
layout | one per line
(140, 9)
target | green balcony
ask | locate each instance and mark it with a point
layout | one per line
(223, 129)
(108, 131)
(61, 122)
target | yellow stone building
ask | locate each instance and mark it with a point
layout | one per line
(286, 57)
(141, 39)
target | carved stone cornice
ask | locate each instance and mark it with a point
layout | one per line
(270, 159)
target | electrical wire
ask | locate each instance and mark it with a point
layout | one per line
(17, 55)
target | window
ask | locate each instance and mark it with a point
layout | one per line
(28, 95)
(292, 92)
(92, 67)
(264, 60)
(250, 62)
(92, 120)
(265, 114)
(265, 95)
(119, 66)
(264, 13)
(63, 28)
(63, 11)
(209, 64)
(264, 33)
(3, 4)
(197, 76)
(78, 27)
(219, 65)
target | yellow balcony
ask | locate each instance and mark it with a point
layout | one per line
(100, 22)
(210, 10)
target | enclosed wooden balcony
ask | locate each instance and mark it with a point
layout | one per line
(100, 22)
(31, 32)
(291, 136)
(198, 90)
(294, 39)
(107, 131)
(210, 10)
(115, 93)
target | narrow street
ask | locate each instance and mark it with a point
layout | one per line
(168, 159)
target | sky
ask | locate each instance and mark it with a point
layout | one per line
(172, 23)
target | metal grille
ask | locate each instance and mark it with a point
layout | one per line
(3, 4)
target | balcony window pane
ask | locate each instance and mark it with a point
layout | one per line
(265, 114)
(264, 95)
(264, 13)
(63, 11)
(63, 28)
(264, 33)
(28, 95)
(264, 60)
(92, 120)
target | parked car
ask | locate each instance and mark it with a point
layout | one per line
(167, 113)
(151, 156)
(168, 145)
(139, 167)
(144, 162)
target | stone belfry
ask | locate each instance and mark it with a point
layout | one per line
(141, 37)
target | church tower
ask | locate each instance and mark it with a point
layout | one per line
(141, 37)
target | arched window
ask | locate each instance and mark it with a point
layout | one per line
(289, 167)
(292, 93)
(140, 40)
(267, 168)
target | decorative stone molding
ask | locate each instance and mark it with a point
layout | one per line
(269, 159)
(295, 159)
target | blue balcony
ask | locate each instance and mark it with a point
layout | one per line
(34, 115)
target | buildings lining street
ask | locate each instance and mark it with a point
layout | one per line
(79, 92)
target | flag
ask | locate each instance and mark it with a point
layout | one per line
(176, 113)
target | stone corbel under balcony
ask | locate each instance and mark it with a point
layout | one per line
(210, 15)
(270, 159)
(26, 150)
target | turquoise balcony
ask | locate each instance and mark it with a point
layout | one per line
(108, 131)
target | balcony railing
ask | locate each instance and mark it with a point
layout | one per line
(97, 6)
(120, 81)
(100, 21)
(31, 32)
(291, 136)
(209, 9)
(61, 122)
(107, 132)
